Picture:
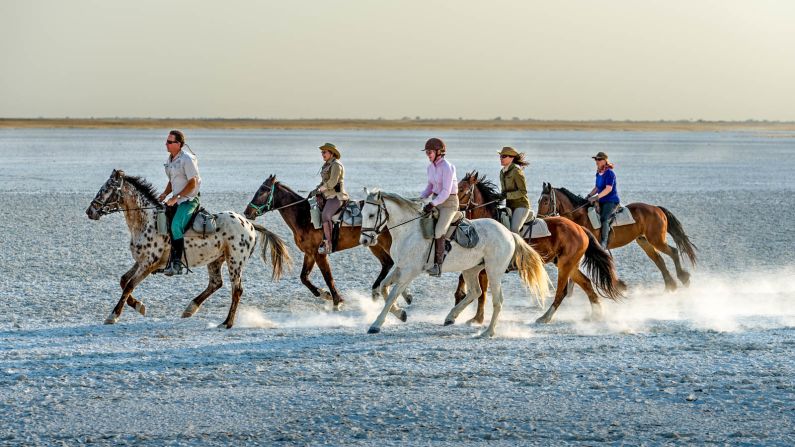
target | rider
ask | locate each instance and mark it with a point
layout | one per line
(182, 170)
(605, 192)
(442, 184)
(330, 192)
(514, 188)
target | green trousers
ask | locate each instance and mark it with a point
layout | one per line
(184, 211)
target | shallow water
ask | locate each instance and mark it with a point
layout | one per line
(711, 363)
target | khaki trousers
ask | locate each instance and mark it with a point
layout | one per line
(447, 211)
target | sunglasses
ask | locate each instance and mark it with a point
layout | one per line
(171, 141)
(506, 156)
(599, 159)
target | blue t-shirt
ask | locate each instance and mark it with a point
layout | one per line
(604, 179)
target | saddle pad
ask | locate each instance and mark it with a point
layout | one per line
(536, 228)
(350, 215)
(621, 217)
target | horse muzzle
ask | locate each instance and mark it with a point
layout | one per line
(92, 213)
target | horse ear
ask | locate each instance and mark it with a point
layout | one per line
(117, 174)
(366, 192)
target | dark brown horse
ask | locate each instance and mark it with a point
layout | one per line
(274, 195)
(568, 244)
(649, 230)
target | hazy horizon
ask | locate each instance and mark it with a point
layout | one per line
(345, 59)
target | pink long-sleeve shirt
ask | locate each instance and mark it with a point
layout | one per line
(442, 181)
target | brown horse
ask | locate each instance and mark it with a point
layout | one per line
(649, 230)
(568, 244)
(274, 195)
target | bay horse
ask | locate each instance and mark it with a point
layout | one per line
(496, 249)
(233, 242)
(649, 230)
(568, 244)
(274, 195)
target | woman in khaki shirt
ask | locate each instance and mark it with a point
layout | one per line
(514, 187)
(331, 191)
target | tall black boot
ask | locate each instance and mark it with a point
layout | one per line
(438, 247)
(605, 236)
(175, 259)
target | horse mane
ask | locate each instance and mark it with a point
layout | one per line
(488, 189)
(401, 201)
(144, 188)
(285, 187)
(576, 200)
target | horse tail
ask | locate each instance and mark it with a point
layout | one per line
(601, 270)
(680, 237)
(280, 257)
(531, 269)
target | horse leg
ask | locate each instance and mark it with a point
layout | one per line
(325, 269)
(565, 269)
(670, 284)
(460, 290)
(216, 281)
(131, 301)
(309, 264)
(495, 277)
(585, 284)
(236, 276)
(673, 253)
(470, 278)
(483, 281)
(396, 290)
(139, 275)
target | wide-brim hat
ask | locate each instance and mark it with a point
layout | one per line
(509, 151)
(331, 148)
(600, 156)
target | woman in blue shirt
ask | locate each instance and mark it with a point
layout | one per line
(605, 192)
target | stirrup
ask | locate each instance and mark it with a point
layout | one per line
(173, 268)
(435, 270)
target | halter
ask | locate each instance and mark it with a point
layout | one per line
(554, 199)
(470, 199)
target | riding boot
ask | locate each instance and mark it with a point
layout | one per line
(605, 236)
(175, 259)
(325, 246)
(436, 270)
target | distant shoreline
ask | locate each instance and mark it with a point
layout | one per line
(403, 124)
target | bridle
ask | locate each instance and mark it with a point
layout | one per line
(470, 200)
(259, 210)
(381, 218)
(554, 199)
(107, 207)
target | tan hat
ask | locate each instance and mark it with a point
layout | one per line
(509, 151)
(600, 156)
(331, 148)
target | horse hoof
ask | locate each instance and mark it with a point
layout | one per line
(486, 334)
(224, 326)
(111, 320)
(449, 322)
(403, 317)
(326, 295)
(475, 322)
(373, 330)
(408, 297)
(141, 308)
(376, 295)
(543, 320)
(190, 310)
(338, 307)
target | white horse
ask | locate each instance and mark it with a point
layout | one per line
(495, 250)
(233, 242)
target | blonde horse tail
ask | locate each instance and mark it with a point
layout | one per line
(280, 257)
(531, 269)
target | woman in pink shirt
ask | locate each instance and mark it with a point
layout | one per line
(442, 188)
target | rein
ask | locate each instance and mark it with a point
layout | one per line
(105, 208)
(267, 206)
(554, 199)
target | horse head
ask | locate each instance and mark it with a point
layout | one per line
(374, 217)
(263, 199)
(108, 199)
(546, 203)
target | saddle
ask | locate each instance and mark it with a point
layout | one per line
(349, 214)
(201, 223)
(622, 216)
(462, 232)
(535, 228)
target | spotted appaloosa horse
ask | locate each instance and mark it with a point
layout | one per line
(233, 242)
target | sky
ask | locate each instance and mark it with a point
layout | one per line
(561, 59)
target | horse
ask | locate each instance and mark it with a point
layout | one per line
(233, 242)
(568, 244)
(496, 249)
(649, 230)
(274, 195)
